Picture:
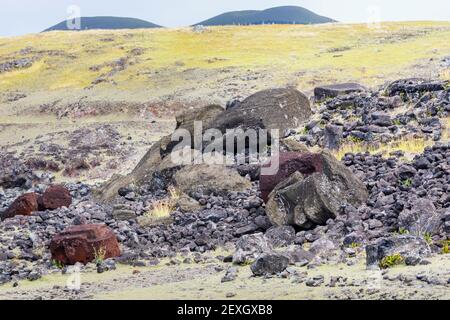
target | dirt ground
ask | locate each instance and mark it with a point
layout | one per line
(203, 281)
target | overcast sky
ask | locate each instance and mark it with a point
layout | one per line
(29, 16)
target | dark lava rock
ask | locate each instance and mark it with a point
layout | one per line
(407, 246)
(249, 247)
(381, 119)
(421, 219)
(280, 236)
(412, 85)
(334, 90)
(281, 109)
(332, 137)
(269, 264)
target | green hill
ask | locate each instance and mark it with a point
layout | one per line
(278, 15)
(89, 23)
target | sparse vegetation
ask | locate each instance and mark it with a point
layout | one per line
(428, 238)
(403, 231)
(407, 183)
(446, 247)
(355, 245)
(305, 131)
(58, 264)
(391, 261)
(236, 48)
(160, 209)
(355, 140)
(99, 255)
(410, 146)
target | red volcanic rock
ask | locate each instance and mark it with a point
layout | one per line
(55, 197)
(84, 243)
(24, 205)
(290, 162)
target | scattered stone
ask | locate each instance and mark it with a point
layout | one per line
(249, 247)
(282, 236)
(34, 275)
(55, 197)
(412, 85)
(147, 221)
(333, 136)
(269, 264)
(422, 219)
(123, 212)
(230, 275)
(299, 256)
(334, 90)
(406, 246)
(187, 204)
(315, 281)
(24, 205)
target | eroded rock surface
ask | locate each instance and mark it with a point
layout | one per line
(84, 243)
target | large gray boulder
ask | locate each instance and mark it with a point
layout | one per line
(249, 247)
(209, 179)
(156, 167)
(282, 236)
(269, 264)
(310, 199)
(185, 120)
(281, 109)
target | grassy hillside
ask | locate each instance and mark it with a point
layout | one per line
(155, 63)
(278, 15)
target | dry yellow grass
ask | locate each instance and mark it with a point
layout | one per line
(160, 209)
(174, 193)
(299, 55)
(410, 146)
(446, 134)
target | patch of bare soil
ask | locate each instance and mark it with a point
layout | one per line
(176, 280)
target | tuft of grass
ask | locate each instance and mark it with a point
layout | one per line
(99, 255)
(428, 238)
(391, 261)
(355, 245)
(446, 247)
(305, 131)
(58, 264)
(355, 140)
(407, 183)
(446, 131)
(161, 209)
(403, 231)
